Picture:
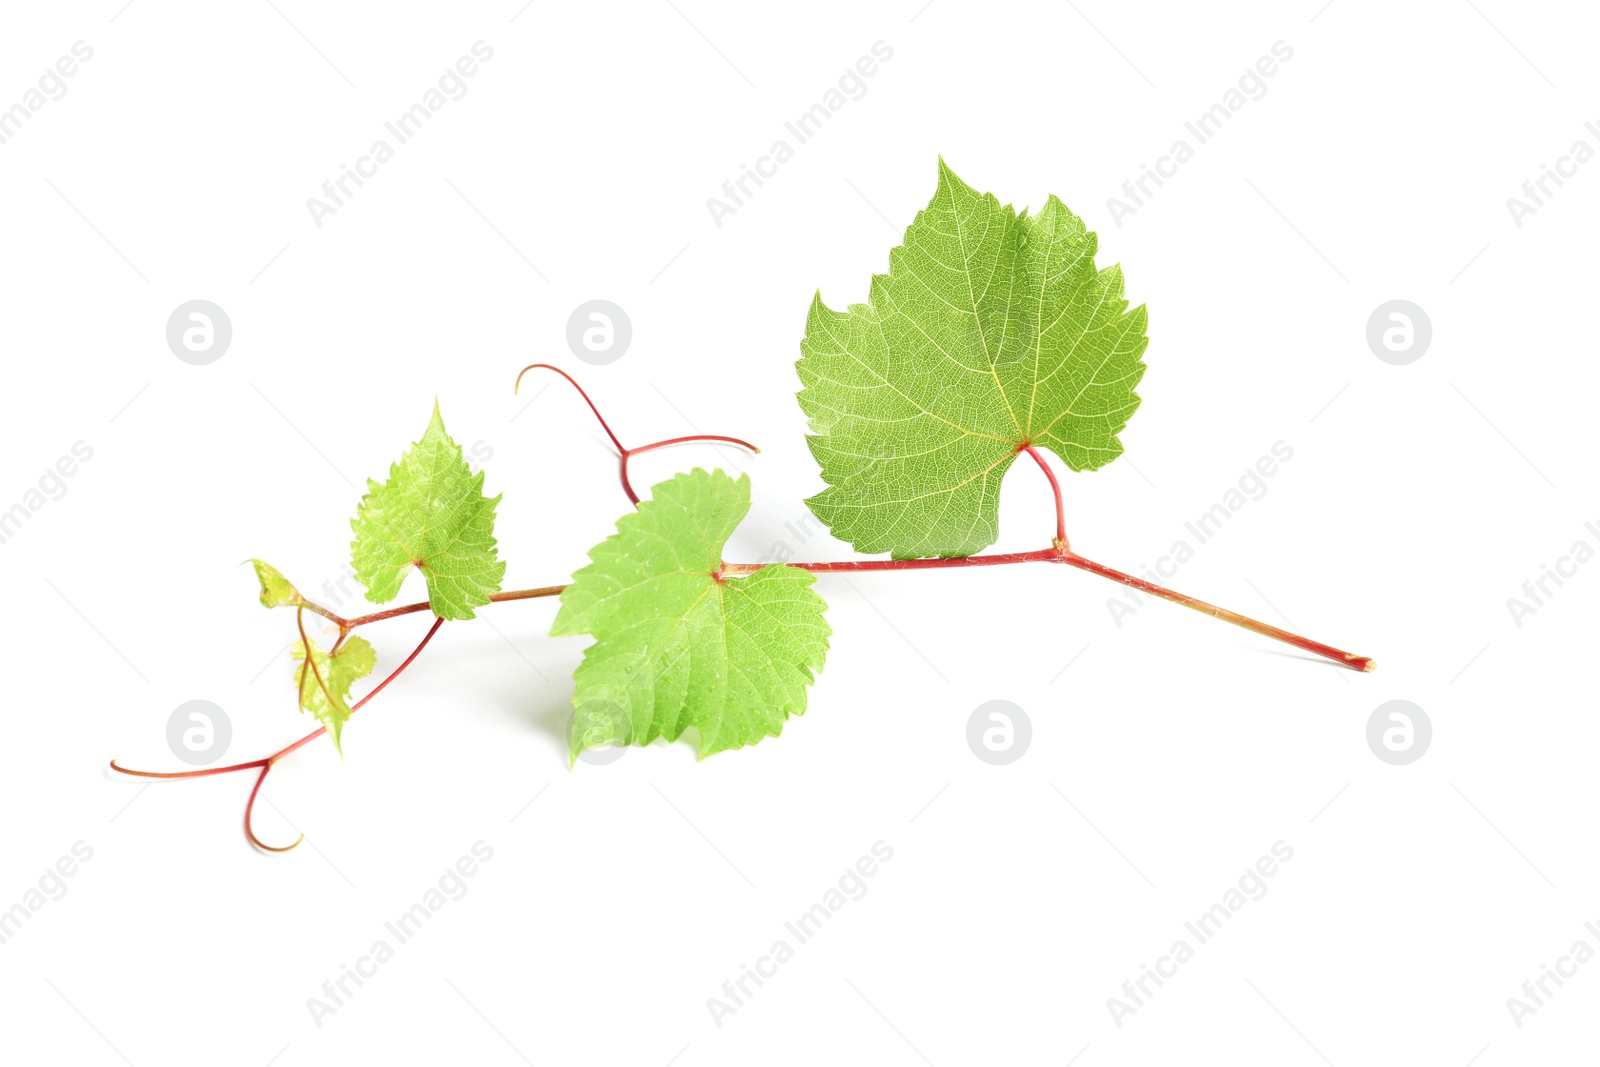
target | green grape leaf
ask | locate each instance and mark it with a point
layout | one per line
(675, 646)
(432, 515)
(329, 700)
(276, 590)
(992, 331)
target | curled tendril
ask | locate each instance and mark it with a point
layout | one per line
(625, 454)
(310, 662)
(250, 807)
(266, 763)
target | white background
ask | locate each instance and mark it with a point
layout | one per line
(1171, 754)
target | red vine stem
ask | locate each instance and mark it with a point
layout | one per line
(346, 625)
(1072, 559)
(1360, 663)
(625, 454)
(1061, 552)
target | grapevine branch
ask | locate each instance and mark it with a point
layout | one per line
(1059, 552)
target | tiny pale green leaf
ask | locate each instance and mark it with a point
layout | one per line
(675, 646)
(430, 515)
(352, 661)
(276, 590)
(992, 331)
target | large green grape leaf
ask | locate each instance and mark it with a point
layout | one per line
(992, 331)
(431, 515)
(325, 692)
(675, 644)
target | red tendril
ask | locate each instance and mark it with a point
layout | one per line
(625, 454)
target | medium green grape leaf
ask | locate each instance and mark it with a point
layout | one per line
(991, 331)
(329, 700)
(675, 646)
(276, 590)
(431, 515)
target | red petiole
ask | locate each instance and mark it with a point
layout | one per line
(1055, 488)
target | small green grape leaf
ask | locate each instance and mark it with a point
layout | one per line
(276, 590)
(992, 331)
(675, 645)
(329, 699)
(432, 515)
